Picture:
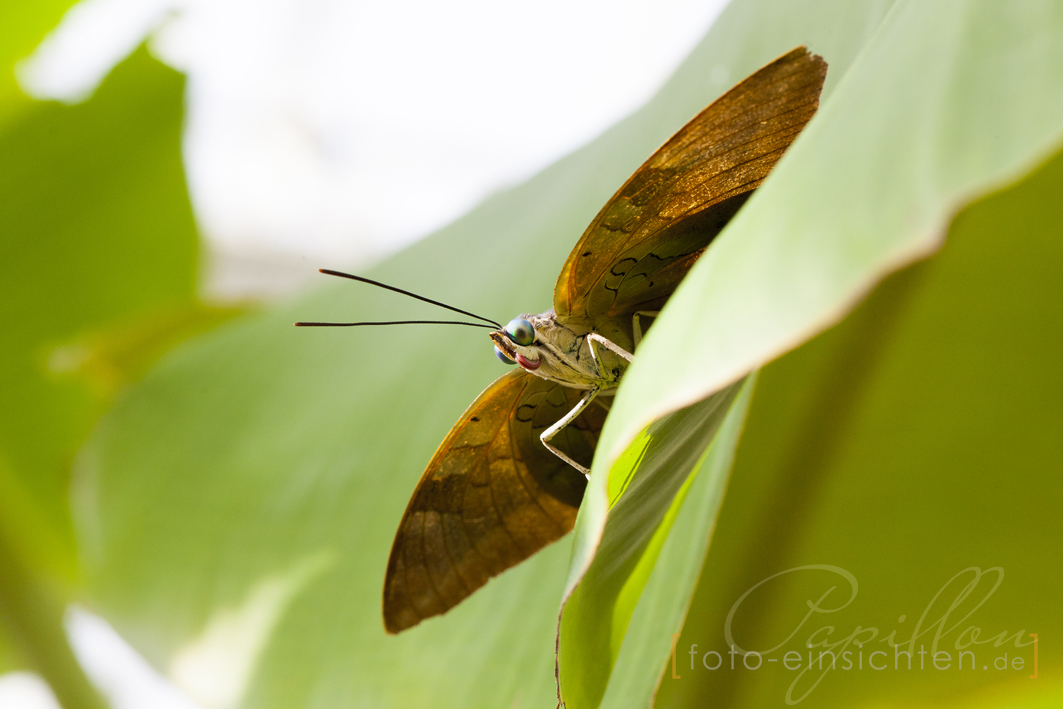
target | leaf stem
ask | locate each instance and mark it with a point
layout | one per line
(31, 616)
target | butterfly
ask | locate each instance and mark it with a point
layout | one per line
(509, 477)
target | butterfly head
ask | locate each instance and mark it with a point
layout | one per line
(516, 344)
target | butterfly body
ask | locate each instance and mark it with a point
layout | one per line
(565, 352)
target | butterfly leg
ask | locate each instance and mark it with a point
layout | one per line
(594, 338)
(565, 420)
(636, 327)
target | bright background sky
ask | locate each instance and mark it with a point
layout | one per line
(333, 132)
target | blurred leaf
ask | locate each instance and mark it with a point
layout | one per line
(916, 439)
(871, 184)
(31, 615)
(9, 661)
(111, 357)
(96, 230)
(22, 27)
(1020, 693)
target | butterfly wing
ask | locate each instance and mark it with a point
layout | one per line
(651, 232)
(491, 496)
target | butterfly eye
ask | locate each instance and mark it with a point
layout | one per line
(502, 357)
(520, 331)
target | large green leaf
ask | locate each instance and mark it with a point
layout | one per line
(97, 232)
(871, 184)
(948, 100)
(916, 439)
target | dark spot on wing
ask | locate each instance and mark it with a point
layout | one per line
(624, 272)
(557, 404)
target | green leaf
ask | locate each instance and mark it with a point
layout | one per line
(658, 529)
(925, 118)
(97, 231)
(110, 357)
(916, 439)
(1015, 693)
(22, 27)
(947, 101)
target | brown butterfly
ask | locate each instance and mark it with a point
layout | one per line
(507, 479)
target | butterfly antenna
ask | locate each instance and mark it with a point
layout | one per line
(394, 322)
(378, 284)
